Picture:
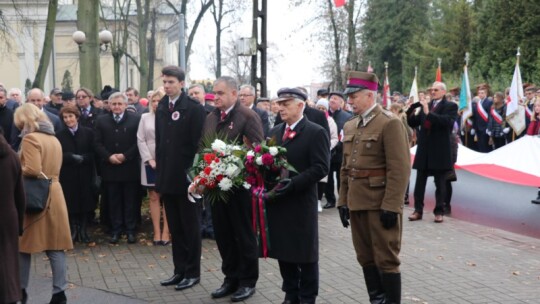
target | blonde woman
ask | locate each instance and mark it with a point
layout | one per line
(146, 141)
(41, 154)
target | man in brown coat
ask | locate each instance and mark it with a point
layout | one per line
(233, 230)
(374, 175)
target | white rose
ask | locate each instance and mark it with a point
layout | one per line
(219, 146)
(273, 151)
(259, 161)
(251, 153)
(225, 184)
(232, 170)
(246, 185)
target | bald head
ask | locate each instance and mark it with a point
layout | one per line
(36, 97)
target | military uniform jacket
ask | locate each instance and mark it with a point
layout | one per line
(378, 142)
(178, 133)
(113, 138)
(292, 219)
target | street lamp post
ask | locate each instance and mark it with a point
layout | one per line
(88, 50)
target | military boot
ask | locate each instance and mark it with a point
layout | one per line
(392, 287)
(374, 285)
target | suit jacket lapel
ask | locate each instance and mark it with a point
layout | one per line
(297, 130)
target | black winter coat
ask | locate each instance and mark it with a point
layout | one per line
(293, 219)
(113, 138)
(78, 179)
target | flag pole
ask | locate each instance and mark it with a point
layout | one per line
(465, 127)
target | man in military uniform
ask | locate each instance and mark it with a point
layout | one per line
(374, 175)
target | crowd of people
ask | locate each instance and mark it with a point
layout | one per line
(105, 152)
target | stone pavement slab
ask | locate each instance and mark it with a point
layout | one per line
(452, 262)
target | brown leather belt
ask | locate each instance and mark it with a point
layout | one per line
(363, 173)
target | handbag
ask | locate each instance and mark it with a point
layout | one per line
(37, 193)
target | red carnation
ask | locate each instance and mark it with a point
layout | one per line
(258, 149)
(216, 160)
(203, 181)
(209, 157)
(211, 185)
(219, 177)
(267, 159)
(207, 170)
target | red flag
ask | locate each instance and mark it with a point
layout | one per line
(339, 3)
(438, 77)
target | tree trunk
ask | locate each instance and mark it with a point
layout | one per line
(47, 45)
(152, 50)
(337, 77)
(218, 53)
(87, 21)
(352, 58)
(142, 18)
(116, 59)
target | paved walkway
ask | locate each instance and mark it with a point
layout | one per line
(454, 262)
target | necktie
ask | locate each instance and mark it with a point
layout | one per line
(286, 134)
(171, 106)
(85, 112)
(117, 118)
(223, 115)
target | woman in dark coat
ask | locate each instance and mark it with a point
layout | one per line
(78, 174)
(11, 220)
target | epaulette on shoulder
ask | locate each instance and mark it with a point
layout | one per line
(388, 114)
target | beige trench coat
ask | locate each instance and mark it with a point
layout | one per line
(48, 230)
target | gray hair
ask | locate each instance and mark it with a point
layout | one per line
(230, 82)
(13, 90)
(248, 86)
(36, 90)
(116, 95)
(197, 85)
(2, 89)
(439, 84)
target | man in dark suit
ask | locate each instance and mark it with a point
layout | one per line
(196, 91)
(55, 105)
(6, 115)
(116, 148)
(232, 219)
(36, 97)
(480, 119)
(336, 102)
(247, 98)
(292, 215)
(89, 114)
(433, 154)
(179, 123)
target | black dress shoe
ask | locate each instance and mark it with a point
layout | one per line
(175, 279)
(131, 238)
(291, 302)
(329, 205)
(243, 293)
(187, 283)
(115, 238)
(58, 298)
(225, 290)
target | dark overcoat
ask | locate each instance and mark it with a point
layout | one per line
(11, 221)
(434, 150)
(293, 219)
(90, 120)
(178, 133)
(113, 138)
(312, 115)
(78, 180)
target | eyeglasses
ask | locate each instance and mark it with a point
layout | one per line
(82, 97)
(245, 95)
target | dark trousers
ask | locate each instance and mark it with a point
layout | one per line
(483, 141)
(449, 192)
(236, 239)
(499, 142)
(330, 189)
(321, 187)
(184, 222)
(122, 204)
(420, 190)
(300, 281)
(207, 227)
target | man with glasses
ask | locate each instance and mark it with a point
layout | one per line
(433, 154)
(89, 114)
(247, 96)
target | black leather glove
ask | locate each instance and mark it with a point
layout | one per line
(284, 187)
(77, 158)
(388, 219)
(344, 215)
